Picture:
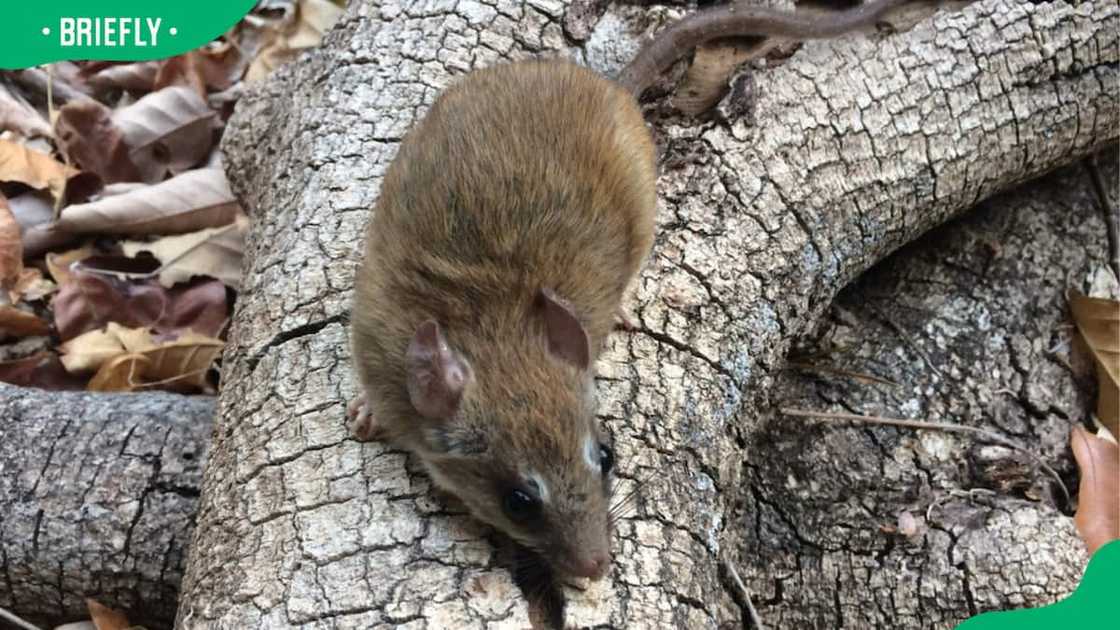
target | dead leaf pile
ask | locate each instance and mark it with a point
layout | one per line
(120, 239)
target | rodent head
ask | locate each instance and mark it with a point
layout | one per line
(512, 433)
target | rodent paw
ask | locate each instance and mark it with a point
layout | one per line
(363, 425)
(623, 321)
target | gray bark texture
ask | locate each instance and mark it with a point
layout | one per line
(849, 150)
(98, 494)
(884, 527)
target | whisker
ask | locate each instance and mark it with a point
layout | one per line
(628, 500)
(622, 508)
(629, 496)
(625, 506)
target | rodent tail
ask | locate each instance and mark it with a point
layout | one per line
(742, 19)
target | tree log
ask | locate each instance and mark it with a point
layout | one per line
(970, 325)
(98, 494)
(852, 149)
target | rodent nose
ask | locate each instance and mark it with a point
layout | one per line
(593, 566)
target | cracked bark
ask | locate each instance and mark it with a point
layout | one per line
(982, 299)
(97, 498)
(855, 147)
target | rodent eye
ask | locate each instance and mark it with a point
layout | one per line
(520, 506)
(606, 458)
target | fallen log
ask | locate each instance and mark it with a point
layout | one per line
(98, 494)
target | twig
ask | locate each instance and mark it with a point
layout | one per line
(841, 372)
(926, 425)
(4, 614)
(908, 340)
(746, 595)
(955, 493)
(1105, 207)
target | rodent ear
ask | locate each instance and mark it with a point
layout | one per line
(436, 374)
(567, 338)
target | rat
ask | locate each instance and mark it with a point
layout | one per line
(508, 228)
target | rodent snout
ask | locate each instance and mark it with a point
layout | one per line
(593, 566)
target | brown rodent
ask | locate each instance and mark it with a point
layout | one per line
(508, 227)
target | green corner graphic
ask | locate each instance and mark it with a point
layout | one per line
(112, 30)
(1089, 607)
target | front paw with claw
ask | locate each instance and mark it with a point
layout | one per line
(363, 424)
(623, 321)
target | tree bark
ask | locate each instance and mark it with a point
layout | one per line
(852, 149)
(98, 494)
(970, 325)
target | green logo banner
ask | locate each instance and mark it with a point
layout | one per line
(112, 30)
(1091, 606)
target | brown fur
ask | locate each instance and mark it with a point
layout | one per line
(522, 177)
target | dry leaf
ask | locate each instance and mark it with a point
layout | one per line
(106, 618)
(88, 135)
(181, 70)
(135, 77)
(31, 286)
(42, 370)
(182, 365)
(33, 168)
(92, 349)
(167, 131)
(1098, 509)
(18, 115)
(43, 238)
(68, 76)
(222, 64)
(128, 359)
(60, 265)
(134, 339)
(287, 40)
(213, 252)
(124, 373)
(117, 188)
(18, 323)
(32, 208)
(314, 19)
(1098, 321)
(11, 247)
(90, 301)
(201, 308)
(88, 351)
(192, 201)
(34, 213)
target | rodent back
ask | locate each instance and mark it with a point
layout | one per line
(521, 176)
